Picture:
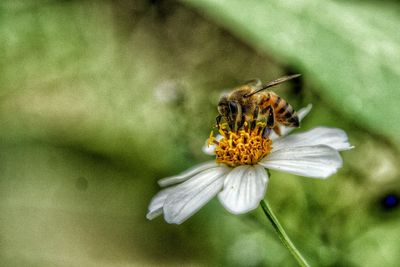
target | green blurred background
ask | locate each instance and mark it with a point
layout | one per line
(100, 99)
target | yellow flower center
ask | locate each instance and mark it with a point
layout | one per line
(244, 147)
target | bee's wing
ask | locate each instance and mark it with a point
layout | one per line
(274, 83)
(256, 84)
(280, 80)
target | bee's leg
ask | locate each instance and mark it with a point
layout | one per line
(218, 120)
(270, 121)
(232, 115)
(270, 117)
(246, 125)
(232, 125)
(255, 117)
(235, 115)
(266, 132)
(277, 130)
(240, 123)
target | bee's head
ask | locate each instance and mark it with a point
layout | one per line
(229, 110)
(223, 107)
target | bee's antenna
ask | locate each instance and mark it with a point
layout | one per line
(274, 82)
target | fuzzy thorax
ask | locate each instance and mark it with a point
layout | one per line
(246, 146)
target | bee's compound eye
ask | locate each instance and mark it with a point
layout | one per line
(390, 201)
(233, 107)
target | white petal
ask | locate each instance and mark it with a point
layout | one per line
(187, 174)
(189, 197)
(244, 188)
(332, 137)
(286, 130)
(210, 149)
(310, 161)
(157, 202)
(303, 112)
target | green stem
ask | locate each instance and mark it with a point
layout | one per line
(282, 234)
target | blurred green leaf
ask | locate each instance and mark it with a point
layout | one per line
(351, 51)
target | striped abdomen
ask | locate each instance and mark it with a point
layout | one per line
(283, 111)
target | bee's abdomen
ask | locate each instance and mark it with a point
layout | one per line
(285, 113)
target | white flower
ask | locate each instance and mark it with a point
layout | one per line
(240, 188)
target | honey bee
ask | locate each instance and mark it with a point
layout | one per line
(250, 103)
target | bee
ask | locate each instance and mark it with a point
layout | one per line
(250, 103)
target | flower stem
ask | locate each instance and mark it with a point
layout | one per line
(282, 234)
